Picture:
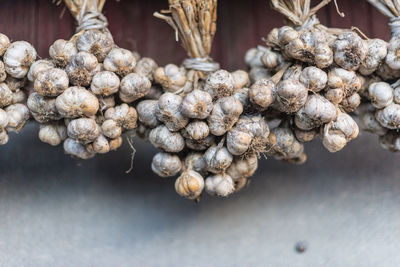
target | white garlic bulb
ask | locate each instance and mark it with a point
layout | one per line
(171, 77)
(197, 104)
(120, 61)
(61, 52)
(105, 83)
(76, 149)
(18, 58)
(349, 51)
(146, 110)
(4, 43)
(381, 94)
(225, 113)
(389, 117)
(53, 133)
(168, 141)
(243, 168)
(241, 79)
(134, 86)
(37, 67)
(111, 129)
(18, 115)
(291, 95)
(81, 68)
(262, 93)
(124, 115)
(3, 119)
(166, 165)
(77, 101)
(97, 42)
(6, 95)
(219, 84)
(169, 111)
(146, 67)
(218, 159)
(84, 130)
(51, 82)
(43, 109)
(220, 184)
(196, 130)
(313, 78)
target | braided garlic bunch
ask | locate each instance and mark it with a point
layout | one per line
(83, 93)
(320, 88)
(202, 121)
(15, 60)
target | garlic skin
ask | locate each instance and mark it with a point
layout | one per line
(349, 51)
(225, 113)
(51, 82)
(241, 79)
(168, 141)
(43, 109)
(291, 95)
(119, 60)
(134, 86)
(6, 95)
(396, 95)
(217, 159)
(339, 132)
(61, 52)
(242, 168)
(105, 83)
(38, 66)
(84, 130)
(262, 93)
(97, 42)
(53, 133)
(169, 112)
(146, 67)
(76, 149)
(196, 130)
(76, 102)
(389, 117)
(197, 104)
(146, 110)
(111, 129)
(376, 54)
(190, 184)
(166, 165)
(155, 92)
(220, 184)
(4, 43)
(171, 77)
(242, 95)
(18, 115)
(313, 78)
(124, 115)
(219, 84)
(18, 58)
(316, 111)
(3, 119)
(380, 94)
(81, 68)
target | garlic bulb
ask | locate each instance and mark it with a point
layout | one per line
(96, 42)
(77, 101)
(171, 77)
(169, 112)
(162, 138)
(61, 52)
(53, 133)
(18, 58)
(18, 115)
(4, 43)
(105, 83)
(134, 86)
(51, 82)
(219, 84)
(220, 184)
(119, 60)
(197, 104)
(37, 67)
(166, 165)
(76, 149)
(190, 184)
(81, 68)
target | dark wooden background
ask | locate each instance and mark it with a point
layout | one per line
(241, 24)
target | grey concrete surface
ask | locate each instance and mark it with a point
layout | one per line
(58, 211)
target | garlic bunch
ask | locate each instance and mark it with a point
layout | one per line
(85, 93)
(15, 60)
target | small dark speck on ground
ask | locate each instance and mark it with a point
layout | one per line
(301, 247)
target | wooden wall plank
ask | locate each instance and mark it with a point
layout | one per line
(241, 25)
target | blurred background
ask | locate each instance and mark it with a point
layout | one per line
(342, 208)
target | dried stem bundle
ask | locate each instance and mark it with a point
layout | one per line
(194, 21)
